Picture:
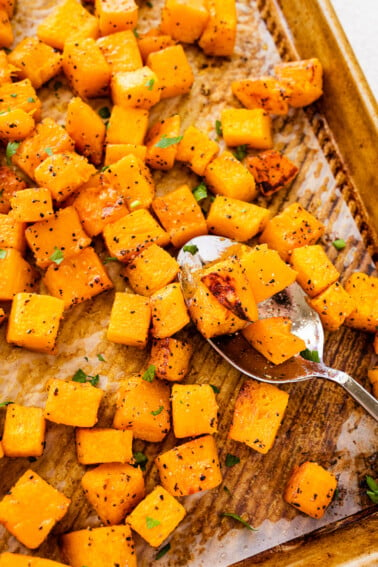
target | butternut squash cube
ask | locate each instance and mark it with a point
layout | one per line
(150, 43)
(127, 126)
(72, 403)
(132, 233)
(69, 21)
(144, 407)
(315, 271)
(121, 51)
(310, 489)
(333, 305)
(12, 233)
(225, 175)
(100, 547)
(86, 68)
(272, 171)
(194, 410)
(258, 413)
(184, 20)
(292, 228)
(61, 232)
(273, 339)
(16, 560)
(15, 124)
(129, 320)
(35, 61)
(116, 15)
(24, 431)
(113, 490)
(8, 6)
(34, 321)
(135, 89)
(191, 467)
(302, 80)
(169, 313)
(373, 379)
(174, 73)
(20, 94)
(6, 31)
(243, 126)
(133, 180)
(151, 270)
(6, 70)
(10, 183)
(31, 205)
(31, 508)
(170, 358)
(159, 157)
(156, 516)
(115, 152)
(103, 445)
(363, 290)
(236, 219)
(16, 274)
(218, 37)
(196, 150)
(86, 129)
(180, 215)
(262, 92)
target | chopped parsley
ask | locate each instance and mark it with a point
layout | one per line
(151, 523)
(166, 547)
(134, 204)
(109, 259)
(31, 99)
(57, 256)
(218, 128)
(240, 152)
(14, 95)
(216, 390)
(239, 519)
(49, 151)
(3, 404)
(135, 32)
(166, 142)
(3, 254)
(200, 192)
(150, 84)
(373, 489)
(149, 374)
(226, 489)
(231, 460)
(104, 112)
(191, 248)
(140, 460)
(159, 410)
(101, 358)
(104, 168)
(11, 149)
(312, 355)
(83, 378)
(339, 243)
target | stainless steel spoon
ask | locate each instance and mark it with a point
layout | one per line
(291, 303)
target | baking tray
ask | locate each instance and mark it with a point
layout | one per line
(322, 423)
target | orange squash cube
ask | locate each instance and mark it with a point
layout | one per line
(302, 80)
(8, 6)
(34, 321)
(151, 270)
(72, 403)
(31, 205)
(86, 68)
(135, 89)
(272, 171)
(150, 43)
(184, 20)
(363, 290)
(333, 305)
(10, 183)
(16, 560)
(174, 73)
(24, 431)
(103, 445)
(116, 15)
(315, 271)
(16, 124)
(236, 219)
(196, 150)
(243, 126)
(262, 92)
(31, 508)
(121, 51)
(127, 126)
(373, 379)
(86, 129)
(129, 320)
(258, 413)
(115, 152)
(144, 407)
(16, 274)
(310, 489)
(35, 61)
(156, 516)
(191, 467)
(170, 358)
(226, 176)
(20, 95)
(133, 180)
(6, 31)
(12, 233)
(6, 70)
(218, 37)
(159, 157)
(169, 313)
(113, 490)
(194, 410)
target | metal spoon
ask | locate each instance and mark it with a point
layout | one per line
(291, 303)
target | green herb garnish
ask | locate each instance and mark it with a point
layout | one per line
(240, 152)
(149, 374)
(166, 547)
(104, 112)
(200, 192)
(312, 355)
(191, 248)
(166, 142)
(14, 95)
(104, 168)
(135, 32)
(57, 256)
(11, 149)
(134, 204)
(231, 460)
(218, 128)
(159, 410)
(49, 151)
(83, 378)
(150, 84)
(140, 460)
(226, 489)
(101, 358)
(216, 390)
(3, 404)
(3, 254)
(339, 243)
(109, 259)
(31, 99)
(239, 519)
(151, 523)
(373, 489)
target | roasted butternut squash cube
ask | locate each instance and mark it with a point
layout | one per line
(115, 152)
(170, 357)
(86, 68)
(244, 126)
(12, 233)
(15, 125)
(333, 305)
(8, 6)
(103, 445)
(20, 94)
(169, 313)
(6, 31)
(225, 175)
(35, 61)
(132, 233)
(218, 37)
(34, 321)
(315, 271)
(150, 43)
(100, 547)
(373, 379)
(116, 15)
(163, 133)
(48, 138)
(121, 51)
(61, 232)
(72, 403)
(236, 219)
(135, 89)
(24, 431)
(16, 274)
(156, 516)
(6, 69)
(262, 92)
(272, 171)
(10, 183)
(133, 180)
(151, 270)
(16, 560)
(310, 489)
(127, 126)
(31, 508)
(180, 215)
(113, 490)
(129, 320)
(32, 205)
(86, 129)
(191, 467)
(292, 228)
(196, 150)
(184, 20)
(174, 73)
(144, 407)
(69, 21)
(258, 413)
(194, 410)
(302, 80)
(363, 290)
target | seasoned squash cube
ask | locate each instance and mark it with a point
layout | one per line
(12, 233)
(16, 560)
(315, 271)
(225, 175)
(170, 358)
(31, 508)
(144, 407)
(129, 320)
(151, 270)
(258, 413)
(10, 183)
(272, 171)
(127, 126)
(24, 431)
(236, 219)
(86, 68)
(219, 35)
(191, 467)
(116, 15)
(31, 205)
(310, 489)
(163, 133)
(6, 70)
(20, 95)
(363, 290)
(6, 31)
(132, 179)
(194, 410)
(15, 124)
(69, 21)
(174, 73)
(100, 547)
(8, 6)
(135, 89)
(72, 403)
(156, 516)
(302, 80)
(169, 313)
(261, 92)
(333, 305)
(34, 321)
(373, 379)
(150, 43)
(196, 150)
(35, 61)
(115, 152)
(243, 126)
(113, 490)
(16, 274)
(103, 445)
(184, 20)
(121, 51)
(86, 129)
